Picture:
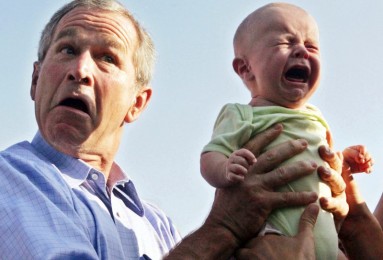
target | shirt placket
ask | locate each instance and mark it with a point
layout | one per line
(93, 184)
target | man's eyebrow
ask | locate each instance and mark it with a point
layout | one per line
(114, 44)
(73, 32)
(69, 32)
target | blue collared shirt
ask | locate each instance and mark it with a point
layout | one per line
(53, 206)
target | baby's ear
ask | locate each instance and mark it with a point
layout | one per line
(243, 69)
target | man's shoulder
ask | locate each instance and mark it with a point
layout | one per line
(17, 150)
(20, 152)
(22, 161)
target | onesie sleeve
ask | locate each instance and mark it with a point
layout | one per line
(232, 129)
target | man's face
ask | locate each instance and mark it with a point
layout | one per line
(84, 89)
(284, 57)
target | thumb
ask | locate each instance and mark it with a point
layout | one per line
(308, 220)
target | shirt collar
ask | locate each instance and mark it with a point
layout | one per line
(73, 170)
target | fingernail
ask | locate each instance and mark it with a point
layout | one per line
(277, 127)
(313, 196)
(303, 142)
(324, 200)
(314, 209)
(327, 172)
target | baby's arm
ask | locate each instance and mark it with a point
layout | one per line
(221, 171)
(357, 159)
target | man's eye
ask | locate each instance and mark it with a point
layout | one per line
(108, 59)
(68, 50)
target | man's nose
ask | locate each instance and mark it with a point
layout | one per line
(81, 69)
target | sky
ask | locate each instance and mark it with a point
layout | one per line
(193, 79)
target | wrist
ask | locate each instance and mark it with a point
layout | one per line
(362, 236)
(210, 241)
(358, 223)
(221, 238)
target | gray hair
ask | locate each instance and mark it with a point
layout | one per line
(144, 56)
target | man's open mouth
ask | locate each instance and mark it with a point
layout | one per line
(76, 104)
(297, 74)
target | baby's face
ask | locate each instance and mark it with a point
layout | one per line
(284, 57)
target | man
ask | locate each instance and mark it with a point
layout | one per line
(63, 196)
(72, 200)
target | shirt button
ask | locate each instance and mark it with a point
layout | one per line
(94, 176)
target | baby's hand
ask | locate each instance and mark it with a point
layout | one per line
(357, 159)
(238, 165)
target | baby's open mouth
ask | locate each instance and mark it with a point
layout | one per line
(297, 74)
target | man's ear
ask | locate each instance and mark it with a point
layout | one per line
(139, 105)
(243, 69)
(35, 77)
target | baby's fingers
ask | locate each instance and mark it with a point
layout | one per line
(236, 169)
(247, 155)
(366, 167)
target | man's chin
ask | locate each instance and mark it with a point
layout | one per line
(66, 139)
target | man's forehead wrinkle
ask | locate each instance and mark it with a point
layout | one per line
(92, 20)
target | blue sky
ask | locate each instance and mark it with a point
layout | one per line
(193, 80)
